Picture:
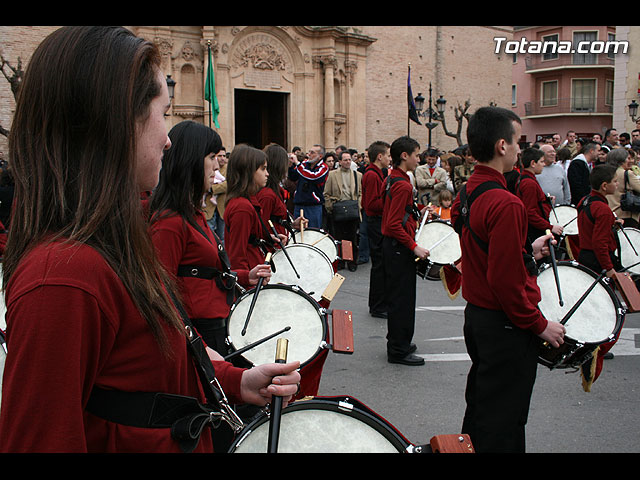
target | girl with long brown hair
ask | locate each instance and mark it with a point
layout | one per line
(93, 334)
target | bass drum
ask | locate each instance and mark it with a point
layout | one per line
(324, 425)
(311, 264)
(278, 307)
(596, 321)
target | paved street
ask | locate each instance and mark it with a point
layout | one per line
(429, 400)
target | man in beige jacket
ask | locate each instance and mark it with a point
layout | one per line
(344, 183)
(430, 179)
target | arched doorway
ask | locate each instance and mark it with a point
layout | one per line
(261, 118)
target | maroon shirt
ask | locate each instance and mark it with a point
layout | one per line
(395, 209)
(71, 324)
(535, 201)
(241, 221)
(179, 243)
(372, 191)
(498, 280)
(273, 205)
(598, 236)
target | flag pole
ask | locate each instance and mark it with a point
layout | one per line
(408, 117)
(209, 57)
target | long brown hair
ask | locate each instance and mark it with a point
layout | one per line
(72, 152)
(244, 161)
(277, 165)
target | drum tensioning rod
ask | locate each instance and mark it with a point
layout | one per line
(284, 250)
(267, 261)
(554, 265)
(275, 409)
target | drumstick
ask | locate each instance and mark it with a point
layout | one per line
(276, 402)
(555, 268)
(255, 344)
(438, 243)
(267, 261)
(320, 239)
(568, 222)
(301, 225)
(424, 219)
(553, 209)
(284, 250)
(628, 239)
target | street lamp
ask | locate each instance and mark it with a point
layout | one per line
(171, 85)
(429, 112)
(633, 110)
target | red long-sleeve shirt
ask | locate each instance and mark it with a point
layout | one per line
(535, 201)
(395, 211)
(179, 243)
(71, 324)
(498, 280)
(241, 221)
(372, 191)
(598, 236)
(273, 205)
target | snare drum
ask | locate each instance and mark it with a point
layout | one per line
(277, 307)
(324, 425)
(321, 240)
(443, 243)
(313, 266)
(596, 321)
(567, 217)
(628, 257)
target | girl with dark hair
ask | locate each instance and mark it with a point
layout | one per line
(272, 196)
(247, 236)
(185, 243)
(93, 331)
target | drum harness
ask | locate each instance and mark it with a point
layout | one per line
(410, 210)
(585, 205)
(463, 220)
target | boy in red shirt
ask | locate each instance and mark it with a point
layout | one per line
(399, 221)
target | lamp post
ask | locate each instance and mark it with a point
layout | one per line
(633, 110)
(171, 85)
(429, 112)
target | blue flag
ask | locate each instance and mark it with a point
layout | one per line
(413, 114)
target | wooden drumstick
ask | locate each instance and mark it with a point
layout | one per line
(320, 239)
(284, 250)
(276, 402)
(267, 261)
(301, 226)
(554, 264)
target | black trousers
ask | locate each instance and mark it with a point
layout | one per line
(400, 296)
(376, 277)
(348, 231)
(500, 382)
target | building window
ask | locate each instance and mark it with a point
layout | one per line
(611, 37)
(584, 58)
(608, 92)
(514, 97)
(583, 98)
(549, 94)
(552, 54)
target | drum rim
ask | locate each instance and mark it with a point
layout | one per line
(322, 313)
(380, 425)
(306, 245)
(618, 305)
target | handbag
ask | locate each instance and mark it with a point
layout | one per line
(347, 210)
(629, 200)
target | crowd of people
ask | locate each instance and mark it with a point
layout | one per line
(128, 246)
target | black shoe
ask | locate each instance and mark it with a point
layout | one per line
(378, 314)
(412, 348)
(410, 359)
(608, 356)
(353, 267)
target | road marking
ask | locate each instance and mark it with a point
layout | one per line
(626, 344)
(440, 309)
(445, 357)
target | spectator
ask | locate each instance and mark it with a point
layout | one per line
(620, 158)
(635, 135)
(553, 179)
(570, 142)
(597, 138)
(563, 157)
(611, 138)
(216, 197)
(578, 172)
(464, 171)
(445, 163)
(556, 140)
(310, 176)
(344, 183)
(430, 179)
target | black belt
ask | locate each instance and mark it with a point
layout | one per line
(185, 416)
(224, 280)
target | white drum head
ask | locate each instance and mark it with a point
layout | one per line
(277, 307)
(596, 318)
(314, 430)
(321, 240)
(567, 216)
(629, 258)
(313, 266)
(442, 241)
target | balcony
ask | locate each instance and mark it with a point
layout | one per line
(535, 63)
(569, 106)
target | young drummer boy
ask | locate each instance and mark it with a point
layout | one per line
(400, 251)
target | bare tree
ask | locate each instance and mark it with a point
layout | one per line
(14, 76)
(460, 113)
